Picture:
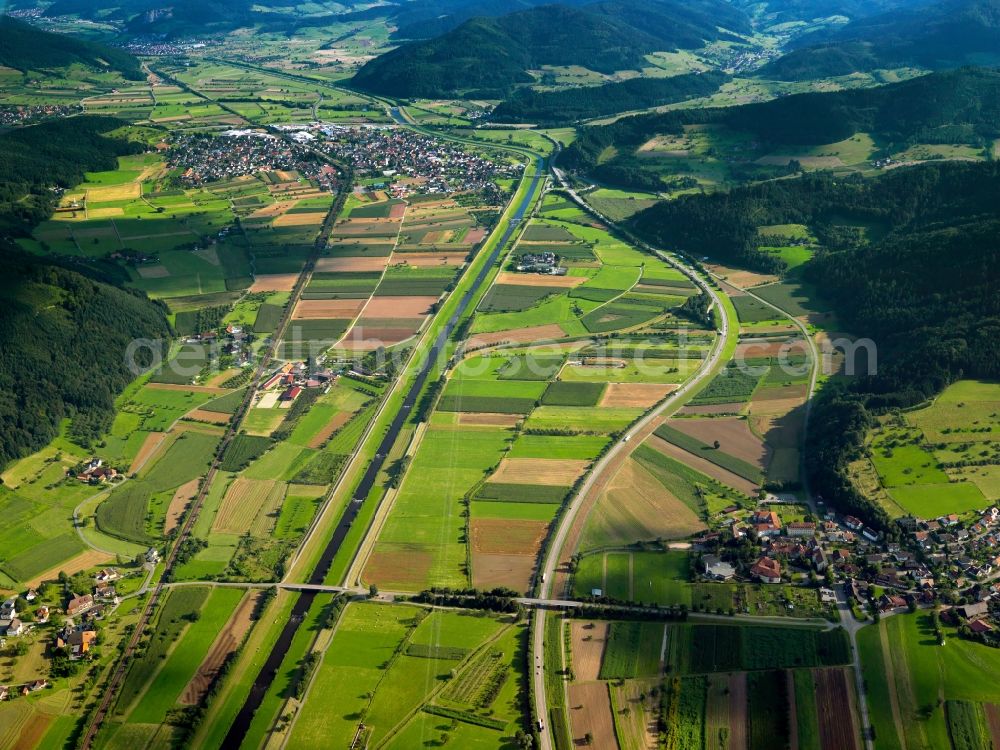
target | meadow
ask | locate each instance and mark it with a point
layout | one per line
(941, 458)
(904, 666)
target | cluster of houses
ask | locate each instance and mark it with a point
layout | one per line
(292, 377)
(25, 114)
(415, 162)
(232, 341)
(545, 263)
(95, 471)
(238, 153)
(949, 561)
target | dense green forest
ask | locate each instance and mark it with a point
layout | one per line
(555, 107)
(940, 35)
(63, 339)
(487, 57)
(910, 260)
(35, 159)
(960, 106)
(63, 335)
(24, 47)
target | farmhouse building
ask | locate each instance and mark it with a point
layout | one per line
(767, 570)
(78, 642)
(79, 604)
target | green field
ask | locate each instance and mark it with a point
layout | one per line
(926, 676)
(632, 650)
(942, 458)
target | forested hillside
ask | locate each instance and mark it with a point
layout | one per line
(961, 106)
(553, 107)
(925, 292)
(24, 47)
(489, 56)
(63, 339)
(53, 154)
(940, 35)
(63, 336)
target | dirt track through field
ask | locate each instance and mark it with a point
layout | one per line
(225, 643)
(705, 467)
(183, 495)
(149, 445)
(338, 421)
(518, 335)
(588, 640)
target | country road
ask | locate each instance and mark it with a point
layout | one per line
(610, 462)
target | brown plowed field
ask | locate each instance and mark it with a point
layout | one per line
(993, 722)
(705, 467)
(504, 536)
(309, 309)
(202, 415)
(511, 571)
(396, 210)
(312, 218)
(338, 421)
(33, 731)
(404, 565)
(429, 260)
(274, 282)
(734, 408)
(838, 728)
(518, 335)
(590, 713)
(629, 395)
(191, 388)
(89, 559)
(738, 711)
(182, 496)
(733, 434)
(752, 349)
(548, 471)
(637, 506)
(149, 445)
(399, 307)
(535, 279)
(225, 643)
(488, 420)
(352, 263)
(781, 393)
(588, 640)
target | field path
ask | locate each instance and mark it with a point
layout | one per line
(890, 675)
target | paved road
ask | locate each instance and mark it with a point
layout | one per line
(628, 442)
